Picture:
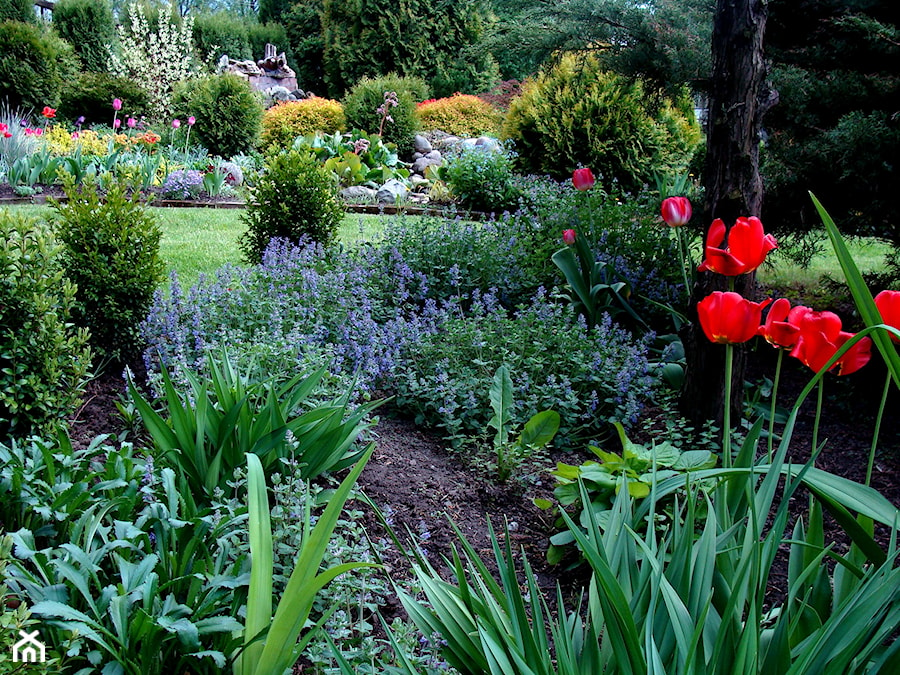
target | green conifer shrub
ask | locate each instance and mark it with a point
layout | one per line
(577, 114)
(362, 102)
(88, 26)
(111, 252)
(228, 113)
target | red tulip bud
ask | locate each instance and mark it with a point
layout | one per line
(568, 237)
(583, 179)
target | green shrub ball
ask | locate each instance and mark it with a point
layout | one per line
(227, 111)
(295, 199)
(362, 102)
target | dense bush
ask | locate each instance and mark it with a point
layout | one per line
(284, 122)
(512, 254)
(92, 95)
(844, 155)
(361, 106)
(295, 199)
(43, 358)
(482, 179)
(227, 112)
(29, 73)
(221, 33)
(611, 124)
(417, 38)
(835, 130)
(588, 377)
(460, 115)
(303, 23)
(17, 10)
(88, 26)
(111, 251)
(260, 34)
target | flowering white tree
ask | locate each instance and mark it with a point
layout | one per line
(156, 60)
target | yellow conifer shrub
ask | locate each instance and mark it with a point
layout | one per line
(283, 122)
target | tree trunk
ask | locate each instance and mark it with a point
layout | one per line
(739, 97)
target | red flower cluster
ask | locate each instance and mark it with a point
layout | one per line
(812, 337)
(4, 131)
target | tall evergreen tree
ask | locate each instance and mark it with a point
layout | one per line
(421, 38)
(836, 129)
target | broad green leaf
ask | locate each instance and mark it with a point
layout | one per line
(540, 429)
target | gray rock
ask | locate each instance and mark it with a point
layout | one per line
(423, 163)
(234, 175)
(488, 143)
(421, 144)
(434, 154)
(358, 194)
(450, 141)
(392, 192)
(280, 93)
(468, 143)
(417, 155)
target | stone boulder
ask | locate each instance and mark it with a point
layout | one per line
(358, 194)
(392, 192)
(421, 144)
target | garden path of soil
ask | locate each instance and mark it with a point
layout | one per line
(414, 478)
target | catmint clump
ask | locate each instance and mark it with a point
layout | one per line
(183, 184)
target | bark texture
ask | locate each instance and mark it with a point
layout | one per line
(739, 97)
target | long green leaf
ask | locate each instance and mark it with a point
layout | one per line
(301, 587)
(259, 598)
(865, 304)
(501, 395)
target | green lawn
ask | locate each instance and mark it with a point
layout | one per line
(198, 241)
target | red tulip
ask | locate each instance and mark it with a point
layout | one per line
(729, 318)
(747, 247)
(819, 339)
(888, 303)
(48, 112)
(676, 211)
(583, 179)
(782, 325)
(568, 237)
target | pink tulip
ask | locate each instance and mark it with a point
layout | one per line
(676, 211)
(117, 104)
(131, 123)
(117, 124)
(176, 123)
(191, 120)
